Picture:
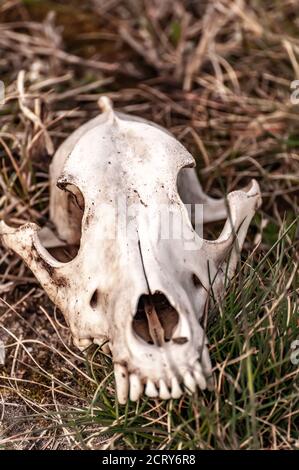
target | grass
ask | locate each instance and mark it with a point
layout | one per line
(218, 76)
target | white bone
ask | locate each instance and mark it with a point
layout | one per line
(114, 276)
(82, 343)
(150, 389)
(48, 238)
(189, 382)
(104, 345)
(191, 193)
(199, 376)
(176, 391)
(136, 387)
(163, 390)
(121, 382)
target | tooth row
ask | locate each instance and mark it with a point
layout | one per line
(132, 385)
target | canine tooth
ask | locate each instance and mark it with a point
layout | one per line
(199, 376)
(150, 389)
(176, 390)
(164, 392)
(206, 361)
(200, 380)
(122, 383)
(136, 387)
(189, 382)
(210, 383)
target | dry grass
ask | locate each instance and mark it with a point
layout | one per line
(217, 74)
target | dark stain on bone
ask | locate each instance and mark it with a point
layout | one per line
(55, 278)
(88, 218)
(105, 301)
(142, 202)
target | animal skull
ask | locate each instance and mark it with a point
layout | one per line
(144, 295)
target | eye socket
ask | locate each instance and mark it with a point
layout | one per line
(67, 214)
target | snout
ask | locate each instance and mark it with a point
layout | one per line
(164, 352)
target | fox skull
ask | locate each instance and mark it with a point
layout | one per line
(142, 294)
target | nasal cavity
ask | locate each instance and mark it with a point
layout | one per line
(155, 319)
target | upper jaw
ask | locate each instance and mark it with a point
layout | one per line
(180, 364)
(165, 371)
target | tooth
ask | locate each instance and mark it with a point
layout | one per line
(122, 383)
(104, 345)
(189, 382)
(150, 389)
(207, 368)
(200, 380)
(210, 383)
(199, 377)
(176, 390)
(106, 348)
(136, 387)
(164, 392)
(82, 343)
(206, 361)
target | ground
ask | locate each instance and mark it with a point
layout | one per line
(218, 75)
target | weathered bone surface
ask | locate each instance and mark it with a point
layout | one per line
(143, 295)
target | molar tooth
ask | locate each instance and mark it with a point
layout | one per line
(136, 387)
(122, 383)
(189, 382)
(164, 392)
(150, 389)
(104, 345)
(106, 348)
(176, 390)
(82, 343)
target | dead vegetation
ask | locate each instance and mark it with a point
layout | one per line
(217, 74)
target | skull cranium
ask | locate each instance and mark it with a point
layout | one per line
(141, 293)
